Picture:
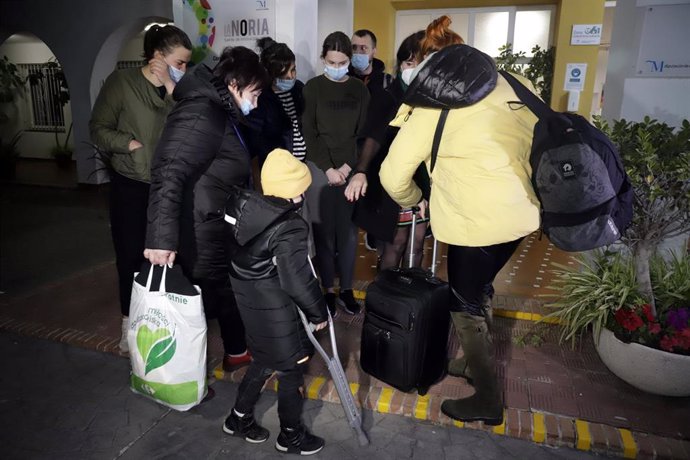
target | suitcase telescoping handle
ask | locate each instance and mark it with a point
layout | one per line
(413, 232)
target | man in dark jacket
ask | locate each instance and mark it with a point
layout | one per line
(272, 277)
(364, 66)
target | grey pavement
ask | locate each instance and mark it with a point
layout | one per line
(62, 402)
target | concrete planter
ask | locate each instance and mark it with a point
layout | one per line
(648, 369)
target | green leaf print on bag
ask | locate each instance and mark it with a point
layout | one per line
(156, 347)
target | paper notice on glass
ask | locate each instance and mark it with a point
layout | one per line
(575, 77)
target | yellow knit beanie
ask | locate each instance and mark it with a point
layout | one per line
(283, 175)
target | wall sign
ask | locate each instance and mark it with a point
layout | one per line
(586, 34)
(664, 43)
(214, 24)
(575, 77)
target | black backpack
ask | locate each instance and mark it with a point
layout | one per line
(577, 174)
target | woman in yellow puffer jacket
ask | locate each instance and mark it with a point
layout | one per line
(482, 202)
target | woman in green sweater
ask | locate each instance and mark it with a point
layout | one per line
(126, 122)
(335, 108)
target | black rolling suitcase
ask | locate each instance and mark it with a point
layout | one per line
(405, 332)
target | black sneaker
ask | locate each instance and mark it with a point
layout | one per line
(330, 301)
(348, 302)
(298, 441)
(245, 427)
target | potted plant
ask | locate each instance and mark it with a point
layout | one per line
(635, 300)
(8, 156)
(539, 69)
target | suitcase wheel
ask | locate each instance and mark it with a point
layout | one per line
(423, 391)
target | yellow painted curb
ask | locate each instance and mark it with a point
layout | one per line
(354, 388)
(218, 372)
(538, 428)
(384, 403)
(501, 429)
(314, 387)
(629, 444)
(584, 438)
(421, 407)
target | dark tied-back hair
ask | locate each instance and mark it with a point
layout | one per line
(241, 65)
(164, 39)
(410, 47)
(337, 41)
(361, 33)
(276, 57)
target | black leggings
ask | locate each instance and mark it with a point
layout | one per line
(219, 302)
(471, 273)
(129, 200)
(290, 399)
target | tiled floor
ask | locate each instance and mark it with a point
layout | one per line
(548, 378)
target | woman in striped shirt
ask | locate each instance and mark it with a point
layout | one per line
(276, 122)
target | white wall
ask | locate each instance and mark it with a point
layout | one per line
(80, 34)
(632, 94)
(295, 21)
(29, 49)
(334, 15)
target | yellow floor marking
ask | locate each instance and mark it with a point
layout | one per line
(218, 372)
(354, 388)
(421, 407)
(629, 444)
(315, 387)
(501, 429)
(538, 428)
(275, 385)
(584, 439)
(384, 403)
(458, 423)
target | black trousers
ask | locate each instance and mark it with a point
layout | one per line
(219, 302)
(290, 399)
(471, 273)
(129, 200)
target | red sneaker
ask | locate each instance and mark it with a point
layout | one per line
(232, 363)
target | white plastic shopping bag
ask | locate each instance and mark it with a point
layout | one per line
(167, 339)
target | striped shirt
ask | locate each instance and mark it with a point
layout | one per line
(299, 147)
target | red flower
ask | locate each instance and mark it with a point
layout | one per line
(684, 339)
(628, 319)
(654, 328)
(667, 343)
(647, 310)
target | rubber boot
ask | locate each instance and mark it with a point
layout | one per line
(458, 367)
(486, 404)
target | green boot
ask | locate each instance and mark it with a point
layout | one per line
(458, 367)
(486, 404)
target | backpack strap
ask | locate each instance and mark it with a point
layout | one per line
(437, 138)
(536, 105)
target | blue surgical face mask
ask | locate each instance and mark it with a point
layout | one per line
(284, 85)
(175, 73)
(360, 61)
(335, 73)
(246, 106)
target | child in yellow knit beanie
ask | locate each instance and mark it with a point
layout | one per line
(272, 277)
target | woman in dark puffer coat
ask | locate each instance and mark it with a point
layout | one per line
(199, 158)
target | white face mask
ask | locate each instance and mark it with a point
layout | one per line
(335, 73)
(175, 73)
(406, 75)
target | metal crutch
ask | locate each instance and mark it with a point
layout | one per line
(354, 417)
